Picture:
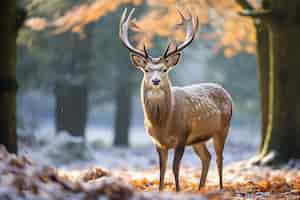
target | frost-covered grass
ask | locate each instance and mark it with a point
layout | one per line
(65, 151)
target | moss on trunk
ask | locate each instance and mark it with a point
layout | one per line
(262, 36)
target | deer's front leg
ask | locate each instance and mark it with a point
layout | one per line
(179, 150)
(163, 158)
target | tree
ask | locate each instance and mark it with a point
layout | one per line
(263, 61)
(282, 134)
(8, 83)
(123, 80)
(71, 108)
(71, 93)
(283, 131)
(123, 113)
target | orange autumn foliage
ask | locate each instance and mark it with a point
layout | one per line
(254, 182)
(228, 31)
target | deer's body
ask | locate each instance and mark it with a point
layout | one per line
(191, 114)
(179, 116)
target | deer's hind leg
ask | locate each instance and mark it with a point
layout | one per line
(219, 141)
(205, 157)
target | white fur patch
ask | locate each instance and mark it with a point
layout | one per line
(155, 94)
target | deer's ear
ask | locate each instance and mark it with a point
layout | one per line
(173, 59)
(138, 61)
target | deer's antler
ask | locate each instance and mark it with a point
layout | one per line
(123, 34)
(190, 34)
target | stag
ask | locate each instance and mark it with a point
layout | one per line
(176, 117)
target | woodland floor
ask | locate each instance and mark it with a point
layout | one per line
(21, 178)
(67, 170)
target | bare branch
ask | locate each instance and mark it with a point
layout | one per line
(245, 4)
(250, 11)
(256, 13)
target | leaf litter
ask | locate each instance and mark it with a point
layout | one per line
(22, 178)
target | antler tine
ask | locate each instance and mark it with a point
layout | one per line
(182, 18)
(145, 51)
(123, 17)
(190, 34)
(169, 47)
(123, 33)
(195, 21)
(167, 50)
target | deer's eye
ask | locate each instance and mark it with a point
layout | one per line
(146, 70)
(165, 70)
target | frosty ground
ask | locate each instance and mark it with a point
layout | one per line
(64, 151)
(93, 168)
(69, 153)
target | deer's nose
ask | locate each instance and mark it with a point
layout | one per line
(155, 81)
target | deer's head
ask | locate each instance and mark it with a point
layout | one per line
(156, 69)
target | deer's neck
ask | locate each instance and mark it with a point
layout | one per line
(157, 104)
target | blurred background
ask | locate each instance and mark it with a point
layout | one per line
(79, 93)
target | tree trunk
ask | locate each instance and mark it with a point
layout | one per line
(71, 108)
(283, 134)
(8, 83)
(263, 64)
(280, 141)
(123, 113)
(71, 111)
